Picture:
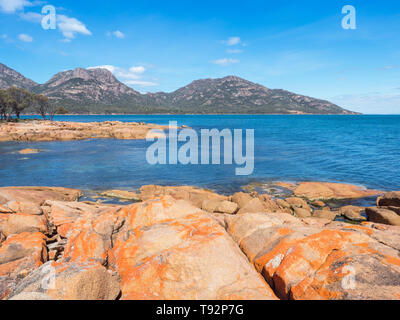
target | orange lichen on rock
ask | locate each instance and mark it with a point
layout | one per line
(179, 252)
(306, 262)
(19, 255)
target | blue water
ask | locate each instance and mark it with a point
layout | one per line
(362, 150)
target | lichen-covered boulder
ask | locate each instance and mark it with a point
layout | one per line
(329, 260)
(169, 249)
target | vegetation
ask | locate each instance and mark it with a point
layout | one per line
(62, 110)
(14, 101)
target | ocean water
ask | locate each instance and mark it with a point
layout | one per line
(362, 150)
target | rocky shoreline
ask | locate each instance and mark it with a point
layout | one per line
(188, 243)
(46, 131)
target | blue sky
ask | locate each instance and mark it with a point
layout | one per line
(155, 46)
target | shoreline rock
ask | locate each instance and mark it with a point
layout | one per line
(184, 242)
(46, 131)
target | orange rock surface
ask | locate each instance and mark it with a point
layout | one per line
(322, 191)
(337, 261)
(168, 248)
(65, 131)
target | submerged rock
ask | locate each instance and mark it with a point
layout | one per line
(29, 151)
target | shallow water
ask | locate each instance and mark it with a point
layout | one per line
(361, 150)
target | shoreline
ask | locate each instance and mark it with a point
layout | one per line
(208, 114)
(35, 130)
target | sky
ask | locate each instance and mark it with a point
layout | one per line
(152, 46)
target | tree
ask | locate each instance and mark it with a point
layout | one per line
(3, 104)
(62, 110)
(7, 105)
(21, 99)
(44, 106)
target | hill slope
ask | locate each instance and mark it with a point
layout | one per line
(10, 78)
(98, 91)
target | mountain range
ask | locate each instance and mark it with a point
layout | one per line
(98, 91)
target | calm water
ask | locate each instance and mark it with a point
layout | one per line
(363, 150)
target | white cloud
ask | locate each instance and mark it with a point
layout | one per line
(11, 6)
(234, 51)
(131, 76)
(225, 61)
(118, 34)
(232, 41)
(141, 83)
(3, 36)
(68, 26)
(71, 26)
(32, 17)
(25, 38)
(107, 67)
(138, 69)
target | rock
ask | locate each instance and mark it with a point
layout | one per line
(20, 223)
(241, 199)
(352, 213)
(383, 216)
(302, 213)
(169, 249)
(29, 151)
(319, 204)
(394, 209)
(283, 204)
(67, 131)
(70, 281)
(37, 195)
(324, 214)
(391, 199)
(63, 214)
(227, 207)
(31, 296)
(121, 194)
(298, 203)
(255, 205)
(19, 255)
(320, 261)
(210, 205)
(326, 191)
(4, 209)
(25, 207)
(193, 195)
(91, 237)
(269, 204)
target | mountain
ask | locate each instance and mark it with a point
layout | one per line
(10, 78)
(88, 88)
(98, 91)
(236, 95)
